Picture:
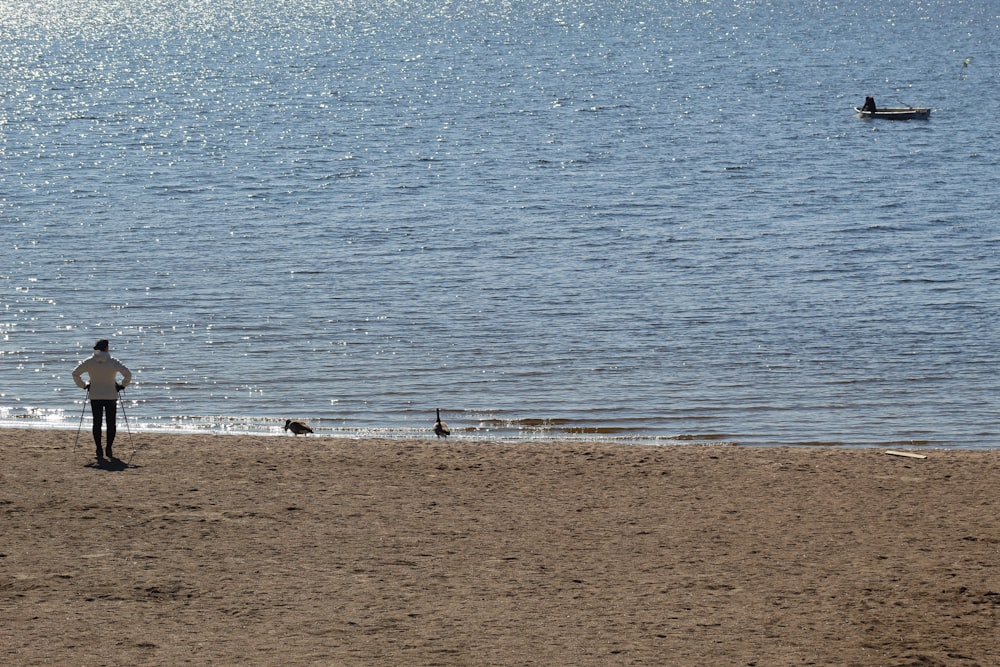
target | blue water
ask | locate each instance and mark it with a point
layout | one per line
(640, 221)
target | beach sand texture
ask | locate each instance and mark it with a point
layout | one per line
(316, 551)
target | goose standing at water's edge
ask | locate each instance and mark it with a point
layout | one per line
(441, 429)
(297, 427)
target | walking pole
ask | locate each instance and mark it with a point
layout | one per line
(75, 441)
(127, 428)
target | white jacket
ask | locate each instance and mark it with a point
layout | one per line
(102, 369)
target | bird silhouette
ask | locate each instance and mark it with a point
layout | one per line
(297, 427)
(441, 429)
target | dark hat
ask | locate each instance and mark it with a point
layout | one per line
(101, 345)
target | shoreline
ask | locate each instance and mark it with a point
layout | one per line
(309, 551)
(483, 436)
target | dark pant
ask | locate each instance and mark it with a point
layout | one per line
(108, 409)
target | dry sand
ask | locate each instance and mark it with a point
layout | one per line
(313, 551)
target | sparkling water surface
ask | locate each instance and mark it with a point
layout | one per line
(641, 221)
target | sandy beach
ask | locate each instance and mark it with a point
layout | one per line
(314, 551)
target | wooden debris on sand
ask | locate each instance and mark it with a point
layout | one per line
(909, 455)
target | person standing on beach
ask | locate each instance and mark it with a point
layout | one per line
(102, 370)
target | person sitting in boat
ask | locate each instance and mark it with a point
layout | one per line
(869, 104)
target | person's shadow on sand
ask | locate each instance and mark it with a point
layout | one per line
(111, 465)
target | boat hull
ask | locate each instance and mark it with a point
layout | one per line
(911, 113)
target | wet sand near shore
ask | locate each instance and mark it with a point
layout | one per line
(209, 549)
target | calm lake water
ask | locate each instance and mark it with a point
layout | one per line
(642, 220)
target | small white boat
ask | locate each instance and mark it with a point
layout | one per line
(891, 113)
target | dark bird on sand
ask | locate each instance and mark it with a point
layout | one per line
(297, 427)
(441, 429)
